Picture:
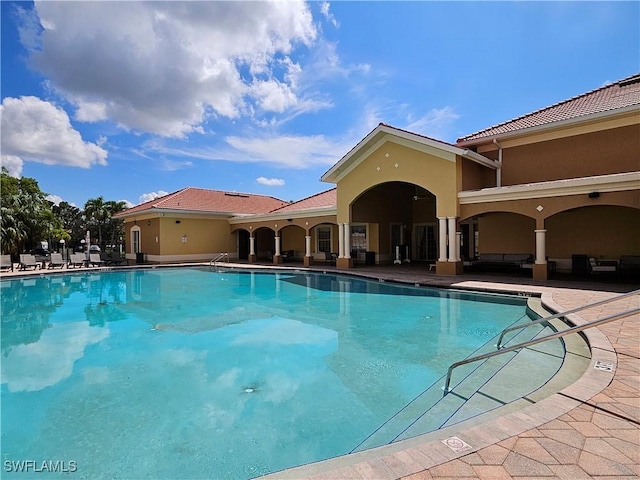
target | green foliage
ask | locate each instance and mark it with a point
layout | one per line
(26, 218)
(26, 215)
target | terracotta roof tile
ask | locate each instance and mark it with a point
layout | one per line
(319, 200)
(621, 94)
(214, 201)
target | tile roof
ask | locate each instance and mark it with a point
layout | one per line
(621, 94)
(325, 199)
(192, 199)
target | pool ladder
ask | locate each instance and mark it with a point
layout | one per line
(579, 328)
(219, 259)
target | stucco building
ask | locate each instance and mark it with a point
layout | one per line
(543, 192)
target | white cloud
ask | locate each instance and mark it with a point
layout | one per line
(324, 8)
(167, 67)
(37, 131)
(128, 203)
(436, 123)
(32, 367)
(145, 197)
(13, 164)
(289, 151)
(55, 199)
(271, 182)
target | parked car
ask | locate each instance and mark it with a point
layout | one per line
(94, 248)
(42, 252)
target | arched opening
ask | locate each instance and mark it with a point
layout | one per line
(264, 243)
(243, 244)
(397, 221)
(292, 243)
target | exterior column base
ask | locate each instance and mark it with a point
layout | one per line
(252, 258)
(277, 259)
(344, 263)
(540, 271)
(308, 261)
(449, 268)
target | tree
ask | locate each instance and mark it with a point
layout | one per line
(26, 215)
(97, 214)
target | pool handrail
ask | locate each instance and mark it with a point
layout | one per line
(562, 314)
(519, 346)
(219, 257)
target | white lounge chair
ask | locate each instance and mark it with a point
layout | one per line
(610, 266)
(76, 260)
(28, 261)
(95, 260)
(56, 261)
(6, 262)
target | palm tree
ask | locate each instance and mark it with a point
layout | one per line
(97, 212)
(116, 226)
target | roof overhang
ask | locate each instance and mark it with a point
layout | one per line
(308, 213)
(383, 133)
(558, 188)
(161, 212)
(560, 124)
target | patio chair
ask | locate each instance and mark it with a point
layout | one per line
(56, 261)
(28, 261)
(95, 260)
(6, 262)
(118, 259)
(76, 260)
(603, 266)
(330, 258)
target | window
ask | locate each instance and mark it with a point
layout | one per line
(135, 239)
(324, 239)
(359, 238)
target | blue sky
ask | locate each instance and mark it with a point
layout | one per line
(131, 100)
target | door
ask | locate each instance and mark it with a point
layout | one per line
(426, 242)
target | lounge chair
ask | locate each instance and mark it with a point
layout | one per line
(603, 266)
(28, 261)
(95, 260)
(6, 262)
(76, 260)
(117, 259)
(56, 261)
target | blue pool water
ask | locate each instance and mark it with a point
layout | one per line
(188, 373)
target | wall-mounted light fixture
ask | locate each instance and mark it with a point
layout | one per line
(149, 222)
(184, 239)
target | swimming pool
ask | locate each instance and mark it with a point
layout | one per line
(189, 373)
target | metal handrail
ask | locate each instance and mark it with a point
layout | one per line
(562, 314)
(219, 257)
(519, 346)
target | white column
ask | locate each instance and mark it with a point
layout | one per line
(307, 245)
(458, 244)
(340, 241)
(277, 238)
(442, 235)
(541, 255)
(347, 240)
(452, 238)
(252, 245)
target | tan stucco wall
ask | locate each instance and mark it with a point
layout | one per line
(596, 231)
(203, 236)
(597, 153)
(476, 176)
(292, 238)
(437, 175)
(506, 233)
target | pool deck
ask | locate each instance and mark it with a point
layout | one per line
(590, 429)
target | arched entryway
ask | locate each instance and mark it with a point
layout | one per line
(395, 222)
